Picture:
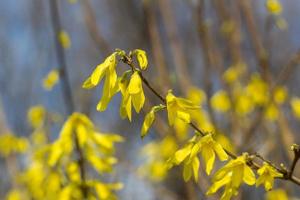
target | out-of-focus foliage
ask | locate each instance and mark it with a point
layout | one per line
(55, 168)
(235, 101)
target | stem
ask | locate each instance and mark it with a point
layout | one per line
(296, 151)
(66, 87)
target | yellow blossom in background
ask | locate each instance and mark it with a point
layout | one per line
(231, 176)
(179, 108)
(266, 176)
(105, 190)
(233, 73)
(73, 172)
(14, 195)
(280, 95)
(225, 142)
(89, 140)
(257, 89)
(295, 105)
(202, 120)
(220, 101)
(244, 104)
(64, 39)
(36, 116)
(106, 69)
(141, 57)
(196, 95)
(274, 7)
(271, 112)
(51, 79)
(156, 153)
(39, 137)
(12, 144)
(278, 194)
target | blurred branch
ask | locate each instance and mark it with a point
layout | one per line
(91, 23)
(175, 44)
(288, 69)
(296, 150)
(156, 44)
(259, 49)
(66, 87)
(211, 56)
(232, 35)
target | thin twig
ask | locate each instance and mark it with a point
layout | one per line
(296, 150)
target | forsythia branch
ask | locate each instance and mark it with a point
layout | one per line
(286, 175)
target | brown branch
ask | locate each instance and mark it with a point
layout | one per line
(156, 46)
(175, 44)
(91, 23)
(296, 150)
(259, 49)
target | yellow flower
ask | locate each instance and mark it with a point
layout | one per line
(295, 104)
(132, 93)
(278, 194)
(105, 191)
(207, 146)
(51, 79)
(196, 95)
(64, 39)
(271, 112)
(266, 176)
(149, 119)
(225, 142)
(14, 195)
(73, 172)
(257, 89)
(157, 153)
(280, 95)
(231, 176)
(191, 167)
(220, 101)
(36, 116)
(244, 104)
(12, 144)
(234, 72)
(141, 58)
(88, 139)
(106, 69)
(274, 7)
(179, 108)
(181, 129)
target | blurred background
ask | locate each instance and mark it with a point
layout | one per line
(216, 48)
